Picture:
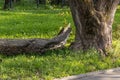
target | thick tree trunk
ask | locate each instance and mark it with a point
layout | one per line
(93, 21)
(18, 46)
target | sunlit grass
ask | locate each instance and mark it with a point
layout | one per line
(43, 24)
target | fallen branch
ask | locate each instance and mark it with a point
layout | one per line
(18, 46)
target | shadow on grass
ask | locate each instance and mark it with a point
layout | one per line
(61, 51)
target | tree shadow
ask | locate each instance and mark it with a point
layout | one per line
(61, 51)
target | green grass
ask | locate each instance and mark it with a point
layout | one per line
(52, 64)
(29, 24)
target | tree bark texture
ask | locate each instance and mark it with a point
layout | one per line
(93, 21)
(18, 46)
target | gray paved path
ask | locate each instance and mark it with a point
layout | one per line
(104, 76)
(111, 74)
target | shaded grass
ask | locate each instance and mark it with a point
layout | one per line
(52, 64)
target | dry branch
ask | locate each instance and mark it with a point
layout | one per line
(18, 46)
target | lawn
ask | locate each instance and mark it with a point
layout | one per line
(42, 23)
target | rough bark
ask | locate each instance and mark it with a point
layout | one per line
(18, 46)
(93, 21)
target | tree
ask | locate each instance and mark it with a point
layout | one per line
(59, 2)
(38, 2)
(93, 21)
(7, 4)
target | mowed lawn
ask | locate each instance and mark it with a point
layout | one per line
(52, 64)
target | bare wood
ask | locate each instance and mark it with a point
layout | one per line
(93, 21)
(18, 46)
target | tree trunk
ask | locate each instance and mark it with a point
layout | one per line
(10, 4)
(7, 4)
(93, 21)
(38, 3)
(19, 46)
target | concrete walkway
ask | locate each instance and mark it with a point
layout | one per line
(111, 74)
